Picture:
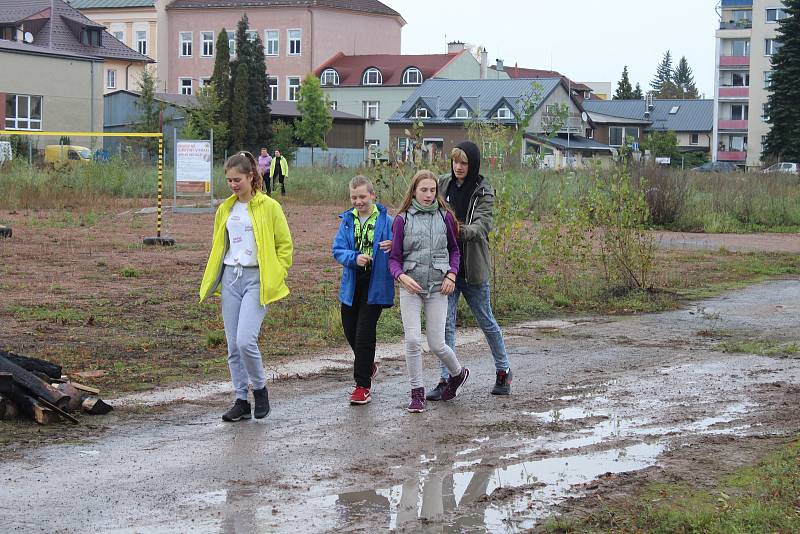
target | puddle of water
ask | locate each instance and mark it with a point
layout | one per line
(567, 414)
(437, 496)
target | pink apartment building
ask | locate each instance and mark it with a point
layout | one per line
(297, 36)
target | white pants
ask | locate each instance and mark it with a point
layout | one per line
(435, 305)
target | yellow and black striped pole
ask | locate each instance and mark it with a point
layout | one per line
(160, 184)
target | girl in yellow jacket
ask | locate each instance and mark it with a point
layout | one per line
(250, 256)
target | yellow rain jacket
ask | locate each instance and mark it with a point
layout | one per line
(273, 240)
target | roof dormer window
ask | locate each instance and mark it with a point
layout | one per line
(91, 37)
(329, 77)
(372, 76)
(421, 113)
(461, 113)
(674, 110)
(8, 33)
(502, 113)
(412, 76)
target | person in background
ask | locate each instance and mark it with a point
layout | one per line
(279, 170)
(264, 159)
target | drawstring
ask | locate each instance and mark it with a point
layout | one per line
(237, 270)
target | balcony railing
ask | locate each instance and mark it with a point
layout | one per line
(731, 124)
(731, 155)
(729, 61)
(736, 25)
(734, 92)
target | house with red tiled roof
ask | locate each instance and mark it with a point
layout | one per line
(53, 61)
(375, 85)
(499, 71)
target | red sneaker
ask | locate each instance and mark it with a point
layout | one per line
(360, 395)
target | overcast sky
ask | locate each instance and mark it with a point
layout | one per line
(584, 39)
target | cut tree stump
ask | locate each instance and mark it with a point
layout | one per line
(34, 364)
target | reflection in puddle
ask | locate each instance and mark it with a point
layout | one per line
(436, 496)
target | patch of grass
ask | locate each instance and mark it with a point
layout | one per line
(59, 314)
(759, 498)
(215, 338)
(130, 272)
(760, 347)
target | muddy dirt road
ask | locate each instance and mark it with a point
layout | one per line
(593, 398)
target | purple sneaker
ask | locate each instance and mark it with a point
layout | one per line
(417, 404)
(453, 383)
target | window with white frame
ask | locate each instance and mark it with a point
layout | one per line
(208, 43)
(740, 79)
(771, 46)
(272, 83)
(617, 135)
(412, 76)
(294, 42)
(739, 112)
(293, 83)
(118, 31)
(767, 79)
(141, 41)
(185, 85)
(421, 112)
(372, 76)
(502, 113)
(371, 109)
(765, 112)
(329, 77)
(403, 144)
(461, 113)
(186, 44)
(740, 47)
(205, 81)
(334, 104)
(271, 42)
(252, 35)
(694, 139)
(231, 42)
(23, 112)
(111, 79)
(776, 14)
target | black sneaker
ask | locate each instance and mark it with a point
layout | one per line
(502, 385)
(436, 393)
(261, 408)
(239, 410)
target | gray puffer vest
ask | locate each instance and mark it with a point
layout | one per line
(426, 258)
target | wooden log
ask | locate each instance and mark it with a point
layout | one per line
(6, 383)
(75, 398)
(34, 364)
(32, 385)
(96, 406)
(8, 409)
(87, 389)
(36, 411)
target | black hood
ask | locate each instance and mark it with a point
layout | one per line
(474, 161)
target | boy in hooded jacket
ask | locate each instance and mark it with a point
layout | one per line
(472, 199)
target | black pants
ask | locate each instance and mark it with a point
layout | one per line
(359, 322)
(280, 179)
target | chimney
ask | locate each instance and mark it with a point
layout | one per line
(454, 47)
(498, 65)
(484, 63)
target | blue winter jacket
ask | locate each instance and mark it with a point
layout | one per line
(381, 284)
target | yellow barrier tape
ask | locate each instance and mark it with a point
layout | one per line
(83, 134)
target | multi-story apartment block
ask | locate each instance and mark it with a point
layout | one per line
(745, 44)
(297, 35)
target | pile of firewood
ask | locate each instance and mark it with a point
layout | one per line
(36, 389)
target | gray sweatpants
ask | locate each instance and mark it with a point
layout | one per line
(435, 305)
(243, 314)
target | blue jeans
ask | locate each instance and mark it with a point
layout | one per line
(477, 297)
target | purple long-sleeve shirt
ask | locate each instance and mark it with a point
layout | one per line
(398, 232)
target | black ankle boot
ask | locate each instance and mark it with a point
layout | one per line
(261, 408)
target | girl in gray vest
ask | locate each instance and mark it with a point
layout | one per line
(424, 259)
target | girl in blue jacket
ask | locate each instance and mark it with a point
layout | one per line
(362, 246)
